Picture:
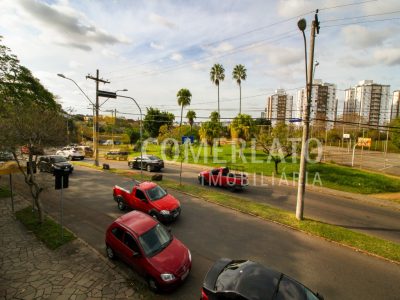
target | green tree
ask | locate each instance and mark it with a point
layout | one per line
(278, 146)
(184, 98)
(242, 126)
(239, 74)
(154, 119)
(191, 115)
(217, 75)
(210, 130)
(395, 133)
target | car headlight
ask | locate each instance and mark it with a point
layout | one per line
(190, 255)
(167, 276)
(164, 212)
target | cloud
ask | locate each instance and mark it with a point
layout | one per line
(360, 37)
(156, 46)
(284, 56)
(290, 8)
(356, 61)
(219, 49)
(389, 57)
(176, 57)
(68, 25)
(161, 20)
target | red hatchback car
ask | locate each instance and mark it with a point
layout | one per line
(150, 249)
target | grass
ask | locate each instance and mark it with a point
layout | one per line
(331, 176)
(49, 232)
(4, 192)
(361, 241)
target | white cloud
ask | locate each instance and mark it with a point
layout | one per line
(360, 37)
(388, 56)
(161, 20)
(176, 57)
(290, 8)
(156, 46)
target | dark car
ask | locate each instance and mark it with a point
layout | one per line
(149, 163)
(50, 163)
(248, 280)
(150, 249)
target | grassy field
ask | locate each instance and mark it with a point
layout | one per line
(4, 192)
(49, 232)
(357, 240)
(327, 175)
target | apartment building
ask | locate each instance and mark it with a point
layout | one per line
(368, 103)
(279, 107)
(395, 105)
(323, 110)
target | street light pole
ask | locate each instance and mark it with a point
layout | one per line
(140, 132)
(306, 125)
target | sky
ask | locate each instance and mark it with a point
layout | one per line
(153, 48)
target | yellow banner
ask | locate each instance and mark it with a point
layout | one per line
(364, 142)
(8, 167)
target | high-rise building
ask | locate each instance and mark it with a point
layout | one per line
(323, 108)
(395, 105)
(279, 107)
(368, 103)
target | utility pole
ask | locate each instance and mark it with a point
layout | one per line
(96, 137)
(306, 125)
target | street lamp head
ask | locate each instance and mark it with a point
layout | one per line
(302, 24)
(61, 75)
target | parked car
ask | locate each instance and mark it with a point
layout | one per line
(149, 163)
(150, 249)
(223, 177)
(71, 153)
(6, 156)
(147, 197)
(116, 155)
(248, 280)
(50, 163)
(87, 150)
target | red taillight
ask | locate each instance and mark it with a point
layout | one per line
(203, 295)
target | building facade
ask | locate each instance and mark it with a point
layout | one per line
(279, 107)
(368, 103)
(395, 105)
(323, 110)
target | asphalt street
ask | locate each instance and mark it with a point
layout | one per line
(211, 231)
(319, 204)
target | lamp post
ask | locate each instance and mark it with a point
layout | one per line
(141, 133)
(302, 24)
(95, 122)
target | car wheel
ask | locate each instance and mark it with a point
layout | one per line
(110, 252)
(148, 168)
(152, 285)
(121, 204)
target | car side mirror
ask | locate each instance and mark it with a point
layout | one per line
(135, 254)
(144, 200)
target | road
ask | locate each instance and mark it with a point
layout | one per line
(211, 231)
(357, 215)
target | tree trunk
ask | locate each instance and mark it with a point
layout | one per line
(276, 166)
(240, 97)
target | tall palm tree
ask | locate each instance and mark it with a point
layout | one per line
(239, 74)
(184, 97)
(191, 115)
(217, 74)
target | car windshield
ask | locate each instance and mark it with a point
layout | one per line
(151, 157)
(156, 193)
(155, 240)
(58, 159)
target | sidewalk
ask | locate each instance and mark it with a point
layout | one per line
(29, 270)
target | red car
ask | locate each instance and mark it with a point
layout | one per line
(150, 249)
(223, 177)
(147, 197)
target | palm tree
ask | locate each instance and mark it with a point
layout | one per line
(184, 97)
(217, 74)
(239, 74)
(191, 115)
